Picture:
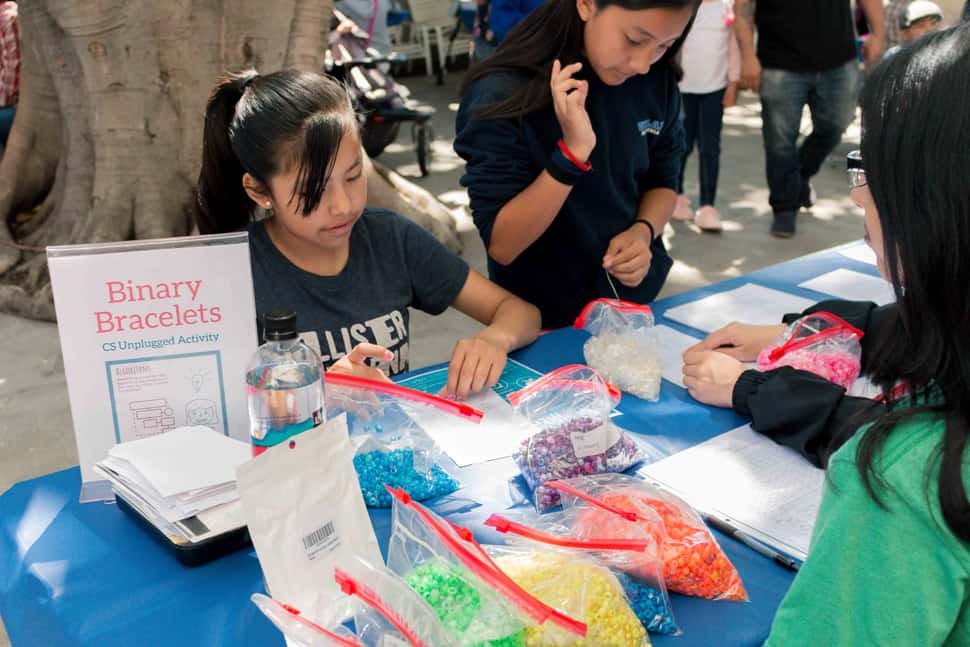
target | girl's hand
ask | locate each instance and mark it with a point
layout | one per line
(741, 341)
(569, 101)
(476, 364)
(730, 95)
(710, 377)
(628, 257)
(353, 362)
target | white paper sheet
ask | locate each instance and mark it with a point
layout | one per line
(853, 286)
(748, 480)
(671, 345)
(861, 252)
(749, 303)
(497, 436)
(185, 459)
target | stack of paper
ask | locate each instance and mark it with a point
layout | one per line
(183, 481)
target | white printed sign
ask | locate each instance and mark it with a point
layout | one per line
(155, 335)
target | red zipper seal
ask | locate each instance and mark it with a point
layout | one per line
(599, 503)
(350, 586)
(840, 326)
(396, 390)
(616, 304)
(504, 525)
(295, 614)
(556, 380)
(492, 575)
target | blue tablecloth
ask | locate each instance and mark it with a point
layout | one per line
(73, 574)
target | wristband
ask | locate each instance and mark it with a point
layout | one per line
(582, 166)
(653, 232)
(562, 169)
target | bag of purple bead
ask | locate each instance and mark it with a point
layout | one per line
(571, 407)
(820, 343)
(388, 426)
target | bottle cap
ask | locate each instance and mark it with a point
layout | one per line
(279, 325)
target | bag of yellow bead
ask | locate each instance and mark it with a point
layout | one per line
(623, 346)
(579, 587)
(478, 605)
(629, 549)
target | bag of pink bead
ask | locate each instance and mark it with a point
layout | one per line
(820, 343)
(623, 346)
(571, 406)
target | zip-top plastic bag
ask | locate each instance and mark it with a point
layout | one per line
(623, 346)
(478, 605)
(388, 611)
(577, 585)
(631, 552)
(302, 632)
(388, 425)
(571, 406)
(820, 343)
(693, 562)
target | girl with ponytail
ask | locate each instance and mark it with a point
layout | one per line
(287, 144)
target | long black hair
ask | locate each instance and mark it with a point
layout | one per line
(916, 151)
(263, 125)
(553, 31)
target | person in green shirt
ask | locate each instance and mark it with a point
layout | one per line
(889, 562)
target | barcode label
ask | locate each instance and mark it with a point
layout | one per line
(323, 538)
(317, 536)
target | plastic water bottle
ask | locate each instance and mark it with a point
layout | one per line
(284, 382)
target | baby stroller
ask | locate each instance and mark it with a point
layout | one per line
(382, 101)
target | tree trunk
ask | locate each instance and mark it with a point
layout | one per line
(107, 140)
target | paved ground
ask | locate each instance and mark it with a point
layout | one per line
(35, 424)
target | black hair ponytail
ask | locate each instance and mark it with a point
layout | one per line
(222, 202)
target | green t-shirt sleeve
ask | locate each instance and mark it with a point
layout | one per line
(875, 576)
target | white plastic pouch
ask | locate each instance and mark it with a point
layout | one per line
(306, 515)
(623, 346)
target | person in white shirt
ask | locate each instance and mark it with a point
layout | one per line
(711, 62)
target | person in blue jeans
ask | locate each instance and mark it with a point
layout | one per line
(806, 55)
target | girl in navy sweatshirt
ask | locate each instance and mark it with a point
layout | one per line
(573, 146)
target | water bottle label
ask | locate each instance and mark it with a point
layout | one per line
(278, 414)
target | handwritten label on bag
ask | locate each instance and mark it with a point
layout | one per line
(589, 443)
(324, 538)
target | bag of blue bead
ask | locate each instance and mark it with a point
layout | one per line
(625, 547)
(388, 429)
(571, 407)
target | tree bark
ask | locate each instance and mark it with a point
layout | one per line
(107, 140)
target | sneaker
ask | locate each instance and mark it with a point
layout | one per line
(783, 226)
(708, 219)
(682, 210)
(807, 196)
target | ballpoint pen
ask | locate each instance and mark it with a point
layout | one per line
(752, 543)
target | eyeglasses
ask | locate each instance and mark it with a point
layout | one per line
(857, 174)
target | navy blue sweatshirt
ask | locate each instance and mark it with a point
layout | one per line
(639, 146)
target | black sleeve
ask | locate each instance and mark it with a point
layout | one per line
(437, 275)
(801, 410)
(497, 162)
(667, 152)
(864, 315)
